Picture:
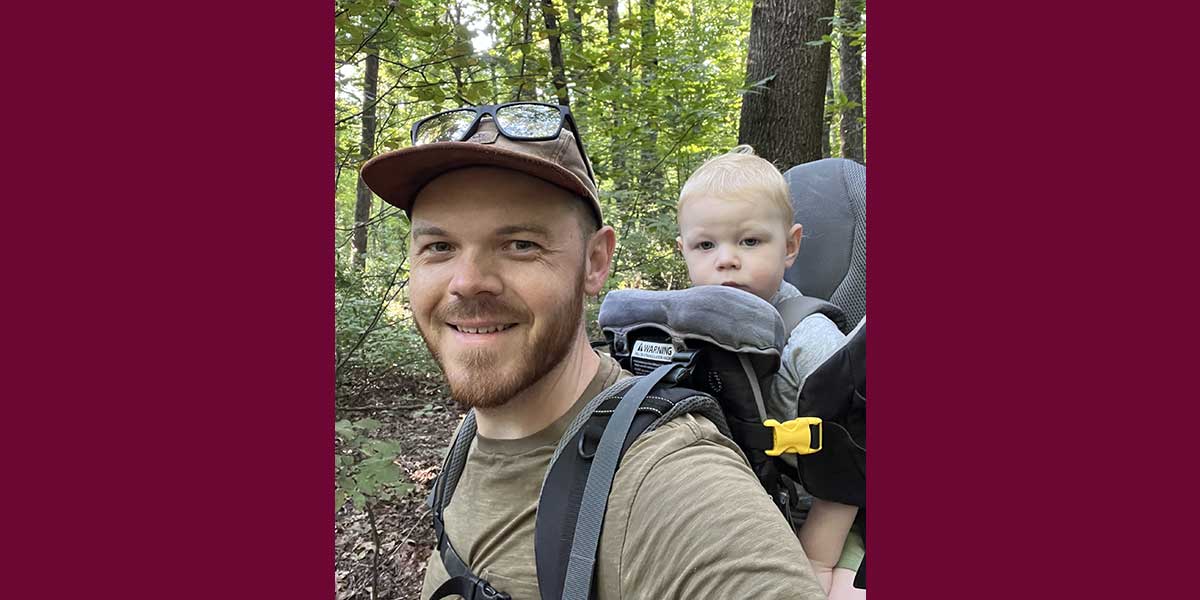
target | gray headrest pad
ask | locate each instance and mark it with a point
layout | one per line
(829, 197)
(733, 319)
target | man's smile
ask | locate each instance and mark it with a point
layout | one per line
(481, 328)
(479, 332)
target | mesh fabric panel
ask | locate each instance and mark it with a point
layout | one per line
(851, 294)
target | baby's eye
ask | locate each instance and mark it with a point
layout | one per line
(751, 242)
(705, 245)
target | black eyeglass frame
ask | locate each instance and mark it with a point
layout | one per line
(565, 117)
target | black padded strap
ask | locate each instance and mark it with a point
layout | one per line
(562, 492)
(452, 467)
(455, 565)
(860, 579)
(463, 582)
(836, 392)
(796, 309)
(582, 561)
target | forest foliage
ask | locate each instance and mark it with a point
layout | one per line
(655, 86)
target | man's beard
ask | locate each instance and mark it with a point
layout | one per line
(475, 378)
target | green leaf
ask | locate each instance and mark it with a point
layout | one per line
(378, 469)
(431, 92)
(386, 449)
(458, 49)
(365, 484)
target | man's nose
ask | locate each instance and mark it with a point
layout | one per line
(475, 274)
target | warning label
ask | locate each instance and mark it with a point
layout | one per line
(648, 356)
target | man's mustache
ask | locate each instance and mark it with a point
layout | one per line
(486, 308)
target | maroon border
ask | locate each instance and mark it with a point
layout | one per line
(170, 244)
(947, 476)
(169, 407)
(1015, 430)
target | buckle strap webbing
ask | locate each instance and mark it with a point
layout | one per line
(463, 582)
(469, 587)
(796, 309)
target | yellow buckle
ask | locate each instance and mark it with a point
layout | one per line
(795, 436)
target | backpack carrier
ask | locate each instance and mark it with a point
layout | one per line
(707, 350)
(829, 198)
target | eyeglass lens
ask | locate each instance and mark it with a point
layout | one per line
(529, 120)
(447, 127)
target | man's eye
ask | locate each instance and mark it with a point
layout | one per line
(523, 245)
(751, 242)
(439, 247)
(705, 245)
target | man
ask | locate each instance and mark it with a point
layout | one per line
(507, 241)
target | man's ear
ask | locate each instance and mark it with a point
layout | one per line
(793, 244)
(599, 259)
(679, 244)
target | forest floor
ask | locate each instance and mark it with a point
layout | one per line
(417, 413)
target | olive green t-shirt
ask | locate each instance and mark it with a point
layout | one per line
(686, 517)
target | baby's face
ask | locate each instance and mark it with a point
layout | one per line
(736, 242)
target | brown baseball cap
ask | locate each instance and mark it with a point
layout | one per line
(399, 175)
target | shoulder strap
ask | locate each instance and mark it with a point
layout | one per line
(574, 496)
(796, 309)
(463, 582)
(836, 392)
(582, 561)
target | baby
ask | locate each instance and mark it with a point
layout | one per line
(736, 229)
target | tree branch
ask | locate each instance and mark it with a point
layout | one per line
(378, 313)
(404, 537)
(382, 407)
(374, 553)
(417, 69)
(373, 220)
(367, 40)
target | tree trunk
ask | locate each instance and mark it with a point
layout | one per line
(827, 121)
(576, 26)
(649, 180)
(851, 85)
(619, 173)
(454, 12)
(526, 38)
(574, 55)
(784, 121)
(366, 147)
(556, 58)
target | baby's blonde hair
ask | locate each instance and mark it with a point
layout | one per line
(740, 174)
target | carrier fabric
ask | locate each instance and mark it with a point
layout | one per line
(727, 317)
(830, 200)
(851, 295)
